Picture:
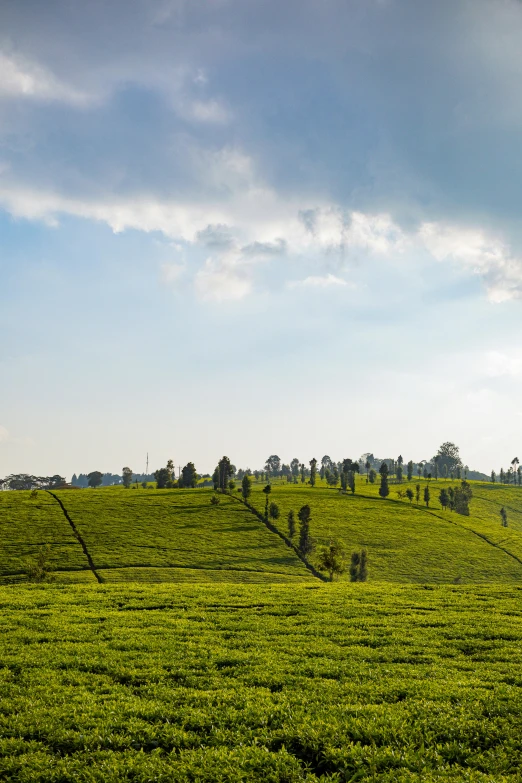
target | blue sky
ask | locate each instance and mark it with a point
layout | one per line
(259, 227)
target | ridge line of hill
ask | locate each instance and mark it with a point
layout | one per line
(77, 536)
(274, 529)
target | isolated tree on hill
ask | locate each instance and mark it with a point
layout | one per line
(126, 477)
(170, 468)
(443, 499)
(291, 524)
(267, 490)
(504, 517)
(95, 478)
(427, 496)
(463, 495)
(162, 477)
(330, 558)
(274, 511)
(273, 464)
(305, 540)
(410, 470)
(189, 477)
(372, 475)
(294, 467)
(449, 455)
(417, 493)
(384, 489)
(225, 473)
(409, 494)
(313, 471)
(493, 477)
(359, 566)
(303, 476)
(246, 487)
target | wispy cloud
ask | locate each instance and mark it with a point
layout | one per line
(318, 281)
(22, 78)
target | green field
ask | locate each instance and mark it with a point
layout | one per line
(177, 535)
(245, 683)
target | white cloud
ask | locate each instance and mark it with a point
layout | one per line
(23, 78)
(207, 111)
(497, 364)
(476, 251)
(319, 282)
(222, 279)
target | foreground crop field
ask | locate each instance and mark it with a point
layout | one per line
(235, 683)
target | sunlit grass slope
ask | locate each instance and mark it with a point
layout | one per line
(177, 535)
(237, 684)
(410, 543)
(26, 525)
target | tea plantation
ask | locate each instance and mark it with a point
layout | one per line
(247, 683)
(185, 641)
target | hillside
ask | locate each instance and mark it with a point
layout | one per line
(177, 535)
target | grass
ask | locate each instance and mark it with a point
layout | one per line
(230, 683)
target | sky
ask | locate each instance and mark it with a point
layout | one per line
(259, 227)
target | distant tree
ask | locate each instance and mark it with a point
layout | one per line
(436, 461)
(267, 490)
(95, 478)
(225, 473)
(126, 475)
(162, 477)
(291, 524)
(40, 569)
(384, 470)
(458, 470)
(443, 499)
(189, 477)
(274, 511)
(399, 473)
(303, 476)
(170, 468)
(246, 486)
(231, 485)
(417, 493)
(425, 472)
(463, 495)
(493, 477)
(240, 474)
(313, 471)
(409, 494)
(384, 489)
(294, 467)
(419, 469)
(514, 464)
(504, 517)
(427, 496)
(451, 496)
(330, 558)
(215, 479)
(445, 472)
(410, 470)
(273, 465)
(449, 455)
(372, 476)
(305, 541)
(350, 478)
(215, 500)
(326, 462)
(519, 476)
(144, 484)
(359, 566)
(367, 465)
(74, 480)
(502, 475)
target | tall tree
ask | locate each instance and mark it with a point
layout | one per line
(384, 489)
(225, 473)
(294, 467)
(189, 477)
(444, 499)
(126, 477)
(162, 477)
(493, 477)
(246, 486)
(449, 455)
(95, 478)
(504, 517)
(350, 477)
(305, 541)
(409, 494)
(267, 490)
(313, 471)
(303, 475)
(367, 465)
(170, 468)
(427, 496)
(410, 470)
(291, 524)
(273, 465)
